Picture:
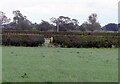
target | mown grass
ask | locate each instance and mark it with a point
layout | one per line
(0, 64)
(43, 64)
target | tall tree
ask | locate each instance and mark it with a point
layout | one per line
(92, 18)
(18, 17)
(84, 26)
(75, 22)
(56, 21)
(45, 26)
(3, 19)
(65, 23)
(91, 24)
(21, 21)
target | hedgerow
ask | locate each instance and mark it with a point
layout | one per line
(63, 39)
(86, 41)
(22, 40)
(49, 34)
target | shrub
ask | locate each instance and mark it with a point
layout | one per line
(85, 41)
(50, 34)
(22, 40)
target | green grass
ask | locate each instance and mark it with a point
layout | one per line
(0, 64)
(42, 64)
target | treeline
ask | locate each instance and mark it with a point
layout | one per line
(62, 23)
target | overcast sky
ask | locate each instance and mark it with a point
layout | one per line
(36, 10)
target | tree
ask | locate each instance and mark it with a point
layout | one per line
(18, 17)
(64, 20)
(91, 24)
(92, 18)
(75, 23)
(84, 26)
(45, 26)
(56, 21)
(3, 19)
(21, 21)
(111, 27)
(65, 23)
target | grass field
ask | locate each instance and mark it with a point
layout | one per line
(43, 64)
(0, 64)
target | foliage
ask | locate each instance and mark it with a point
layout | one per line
(62, 23)
(86, 41)
(49, 33)
(3, 19)
(45, 26)
(20, 22)
(65, 23)
(22, 40)
(91, 25)
(110, 27)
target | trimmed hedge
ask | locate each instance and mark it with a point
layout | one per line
(67, 39)
(22, 40)
(86, 41)
(50, 34)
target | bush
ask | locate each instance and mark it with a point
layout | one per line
(22, 40)
(65, 39)
(50, 34)
(85, 41)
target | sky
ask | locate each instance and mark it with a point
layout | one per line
(37, 10)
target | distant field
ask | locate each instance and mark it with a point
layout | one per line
(43, 64)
